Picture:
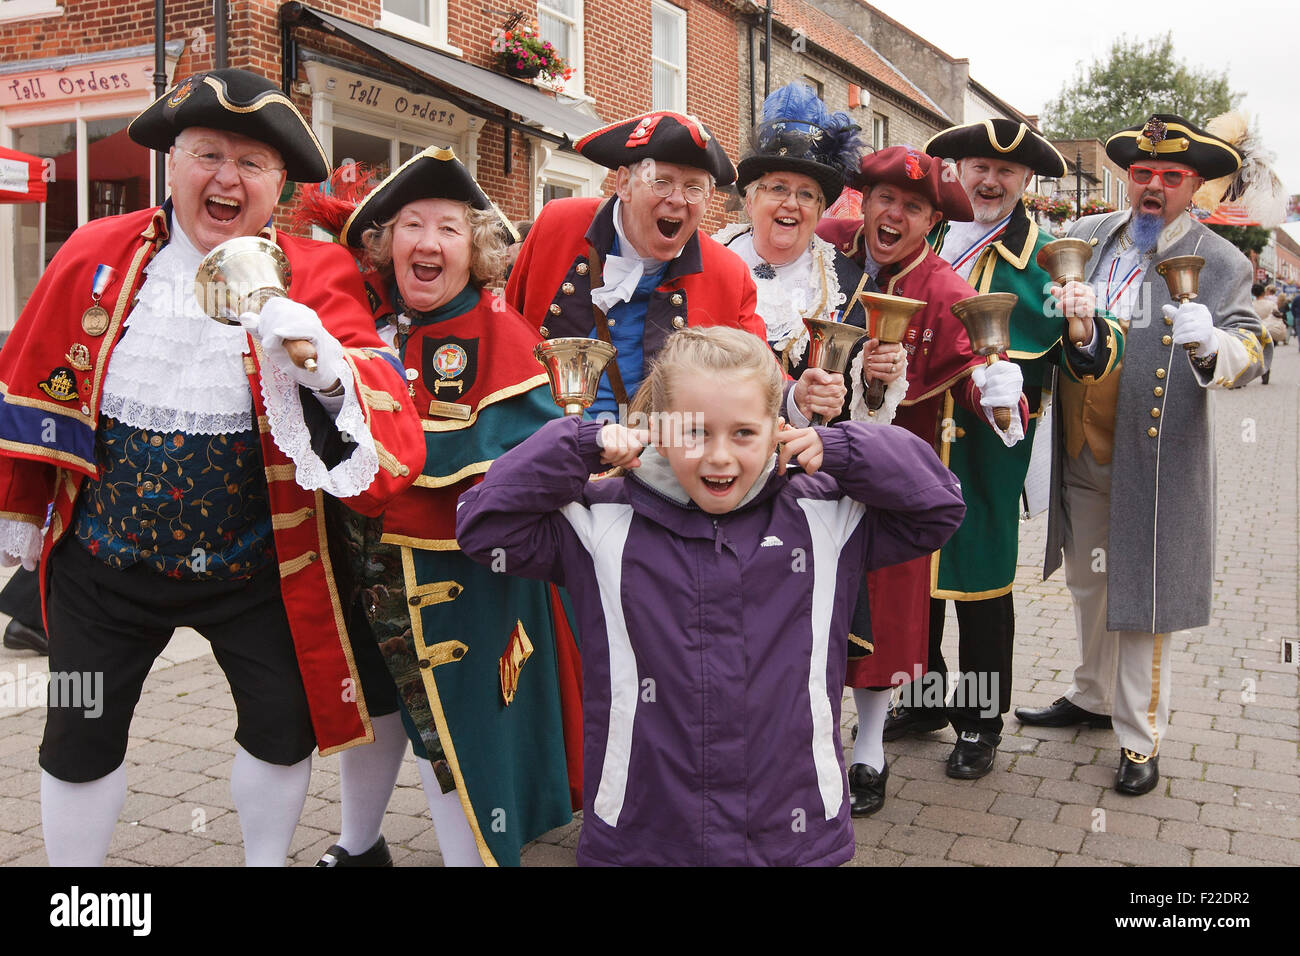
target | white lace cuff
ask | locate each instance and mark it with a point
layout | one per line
(895, 392)
(349, 477)
(20, 543)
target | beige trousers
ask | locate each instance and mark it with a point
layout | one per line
(1122, 673)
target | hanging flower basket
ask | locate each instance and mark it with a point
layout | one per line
(521, 53)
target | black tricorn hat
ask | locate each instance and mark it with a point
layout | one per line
(1170, 137)
(998, 139)
(432, 173)
(235, 101)
(800, 135)
(666, 136)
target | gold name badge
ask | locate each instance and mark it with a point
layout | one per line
(450, 410)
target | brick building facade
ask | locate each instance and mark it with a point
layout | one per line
(381, 79)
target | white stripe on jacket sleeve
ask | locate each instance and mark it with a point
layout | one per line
(831, 524)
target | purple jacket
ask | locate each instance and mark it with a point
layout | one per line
(713, 648)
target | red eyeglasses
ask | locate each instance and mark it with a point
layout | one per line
(1172, 178)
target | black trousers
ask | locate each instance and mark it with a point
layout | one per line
(21, 599)
(987, 631)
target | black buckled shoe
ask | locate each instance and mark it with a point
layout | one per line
(1061, 713)
(912, 720)
(973, 756)
(377, 855)
(1137, 774)
(19, 637)
(866, 789)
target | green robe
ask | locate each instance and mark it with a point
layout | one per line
(979, 561)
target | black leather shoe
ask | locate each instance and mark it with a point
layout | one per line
(20, 637)
(1061, 713)
(1137, 774)
(911, 720)
(973, 756)
(866, 789)
(377, 855)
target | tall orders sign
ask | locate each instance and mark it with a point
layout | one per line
(41, 87)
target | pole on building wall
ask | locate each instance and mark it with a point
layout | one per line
(1078, 184)
(767, 59)
(159, 88)
(219, 34)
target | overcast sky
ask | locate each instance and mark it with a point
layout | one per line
(1254, 41)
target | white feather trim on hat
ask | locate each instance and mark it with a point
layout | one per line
(1254, 188)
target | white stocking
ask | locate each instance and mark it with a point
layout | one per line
(873, 706)
(78, 818)
(367, 776)
(455, 838)
(269, 799)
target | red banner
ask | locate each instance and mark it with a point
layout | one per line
(21, 177)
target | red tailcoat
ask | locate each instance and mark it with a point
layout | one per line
(939, 363)
(47, 443)
(550, 284)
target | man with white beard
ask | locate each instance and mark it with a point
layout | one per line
(995, 253)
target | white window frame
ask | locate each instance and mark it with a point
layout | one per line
(679, 15)
(29, 9)
(577, 42)
(1106, 186)
(434, 34)
(561, 168)
(884, 130)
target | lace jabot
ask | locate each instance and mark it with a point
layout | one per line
(175, 369)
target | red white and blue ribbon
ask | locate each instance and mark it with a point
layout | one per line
(980, 243)
(103, 275)
(1111, 299)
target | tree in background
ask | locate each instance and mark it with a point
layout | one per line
(1136, 79)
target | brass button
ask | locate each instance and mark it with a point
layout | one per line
(156, 441)
(555, 308)
(1158, 391)
(582, 268)
(425, 663)
(567, 288)
(679, 322)
(1155, 413)
(1168, 321)
(458, 652)
(676, 298)
(1166, 340)
(147, 486)
(613, 322)
(1153, 431)
(546, 333)
(1160, 373)
(312, 556)
(414, 602)
(453, 591)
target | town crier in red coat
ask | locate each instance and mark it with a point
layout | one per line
(187, 469)
(634, 268)
(905, 194)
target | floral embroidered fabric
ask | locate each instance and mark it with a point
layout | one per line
(191, 507)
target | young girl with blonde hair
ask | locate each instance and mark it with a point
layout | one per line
(714, 588)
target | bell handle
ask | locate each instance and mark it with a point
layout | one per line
(1001, 416)
(302, 353)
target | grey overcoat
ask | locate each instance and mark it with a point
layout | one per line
(1160, 556)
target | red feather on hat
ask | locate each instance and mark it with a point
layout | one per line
(329, 204)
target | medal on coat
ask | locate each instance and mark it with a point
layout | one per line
(94, 321)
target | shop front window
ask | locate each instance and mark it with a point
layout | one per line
(116, 182)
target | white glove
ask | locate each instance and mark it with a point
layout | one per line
(1000, 385)
(282, 319)
(1193, 324)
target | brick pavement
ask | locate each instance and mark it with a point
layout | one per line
(1229, 792)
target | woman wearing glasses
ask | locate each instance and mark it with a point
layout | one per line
(801, 154)
(476, 654)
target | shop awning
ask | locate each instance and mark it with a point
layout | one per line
(21, 177)
(476, 90)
